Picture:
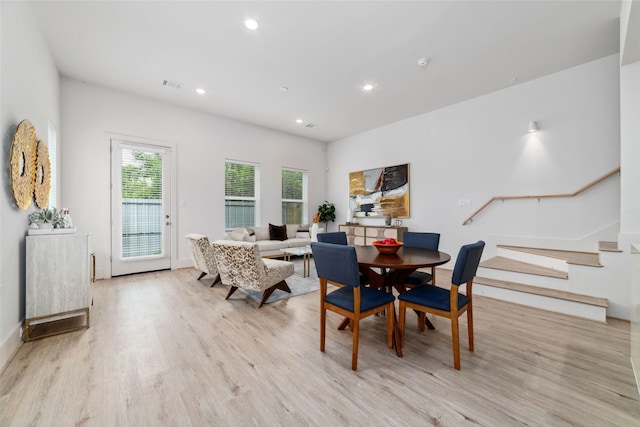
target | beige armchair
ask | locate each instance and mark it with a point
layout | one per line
(202, 256)
(241, 266)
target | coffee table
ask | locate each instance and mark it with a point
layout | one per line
(305, 253)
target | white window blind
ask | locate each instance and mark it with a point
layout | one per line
(294, 196)
(141, 203)
(241, 183)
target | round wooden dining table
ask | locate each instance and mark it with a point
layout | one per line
(397, 267)
(392, 270)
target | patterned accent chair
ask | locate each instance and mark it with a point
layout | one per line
(241, 266)
(202, 256)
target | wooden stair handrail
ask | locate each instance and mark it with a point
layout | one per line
(543, 196)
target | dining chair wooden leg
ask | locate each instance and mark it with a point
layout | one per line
(391, 327)
(455, 342)
(323, 326)
(354, 350)
(470, 326)
(402, 315)
(323, 312)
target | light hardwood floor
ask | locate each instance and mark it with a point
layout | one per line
(166, 350)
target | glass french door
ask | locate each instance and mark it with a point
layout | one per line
(140, 208)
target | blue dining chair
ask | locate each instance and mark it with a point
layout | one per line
(338, 264)
(340, 238)
(412, 239)
(450, 302)
(335, 237)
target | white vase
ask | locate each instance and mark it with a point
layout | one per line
(45, 225)
(314, 232)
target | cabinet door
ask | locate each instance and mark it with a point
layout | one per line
(58, 277)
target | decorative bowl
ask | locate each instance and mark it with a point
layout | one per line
(388, 249)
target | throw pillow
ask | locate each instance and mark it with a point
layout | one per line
(238, 235)
(251, 235)
(291, 230)
(261, 233)
(277, 232)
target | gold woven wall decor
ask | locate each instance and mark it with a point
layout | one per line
(43, 175)
(22, 164)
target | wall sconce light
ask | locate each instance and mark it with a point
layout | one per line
(533, 127)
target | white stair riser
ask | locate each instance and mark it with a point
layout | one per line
(526, 279)
(542, 261)
(571, 308)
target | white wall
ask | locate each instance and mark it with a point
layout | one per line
(29, 88)
(630, 147)
(91, 114)
(479, 148)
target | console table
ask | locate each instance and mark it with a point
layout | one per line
(365, 235)
(58, 288)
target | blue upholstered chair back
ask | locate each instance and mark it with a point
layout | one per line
(412, 239)
(336, 237)
(467, 262)
(336, 263)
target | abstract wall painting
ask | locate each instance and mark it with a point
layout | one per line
(380, 192)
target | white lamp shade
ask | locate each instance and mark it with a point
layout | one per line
(533, 127)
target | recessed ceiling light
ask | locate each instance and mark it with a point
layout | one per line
(201, 91)
(284, 89)
(251, 24)
(368, 87)
(299, 121)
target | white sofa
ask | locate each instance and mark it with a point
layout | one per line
(297, 236)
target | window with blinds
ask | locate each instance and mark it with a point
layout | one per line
(241, 181)
(294, 196)
(141, 203)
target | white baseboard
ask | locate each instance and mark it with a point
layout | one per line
(182, 263)
(10, 346)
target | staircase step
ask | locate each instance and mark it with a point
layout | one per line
(572, 257)
(444, 276)
(608, 246)
(501, 263)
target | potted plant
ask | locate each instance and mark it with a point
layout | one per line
(46, 218)
(327, 213)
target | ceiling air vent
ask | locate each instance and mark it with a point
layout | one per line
(310, 125)
(171, 84)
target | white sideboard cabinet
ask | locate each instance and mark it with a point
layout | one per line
(58, 288)
(365, 235)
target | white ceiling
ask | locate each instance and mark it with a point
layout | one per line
(323, 51)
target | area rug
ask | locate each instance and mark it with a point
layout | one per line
(297, 284)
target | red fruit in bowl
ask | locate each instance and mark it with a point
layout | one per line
(386, 242)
